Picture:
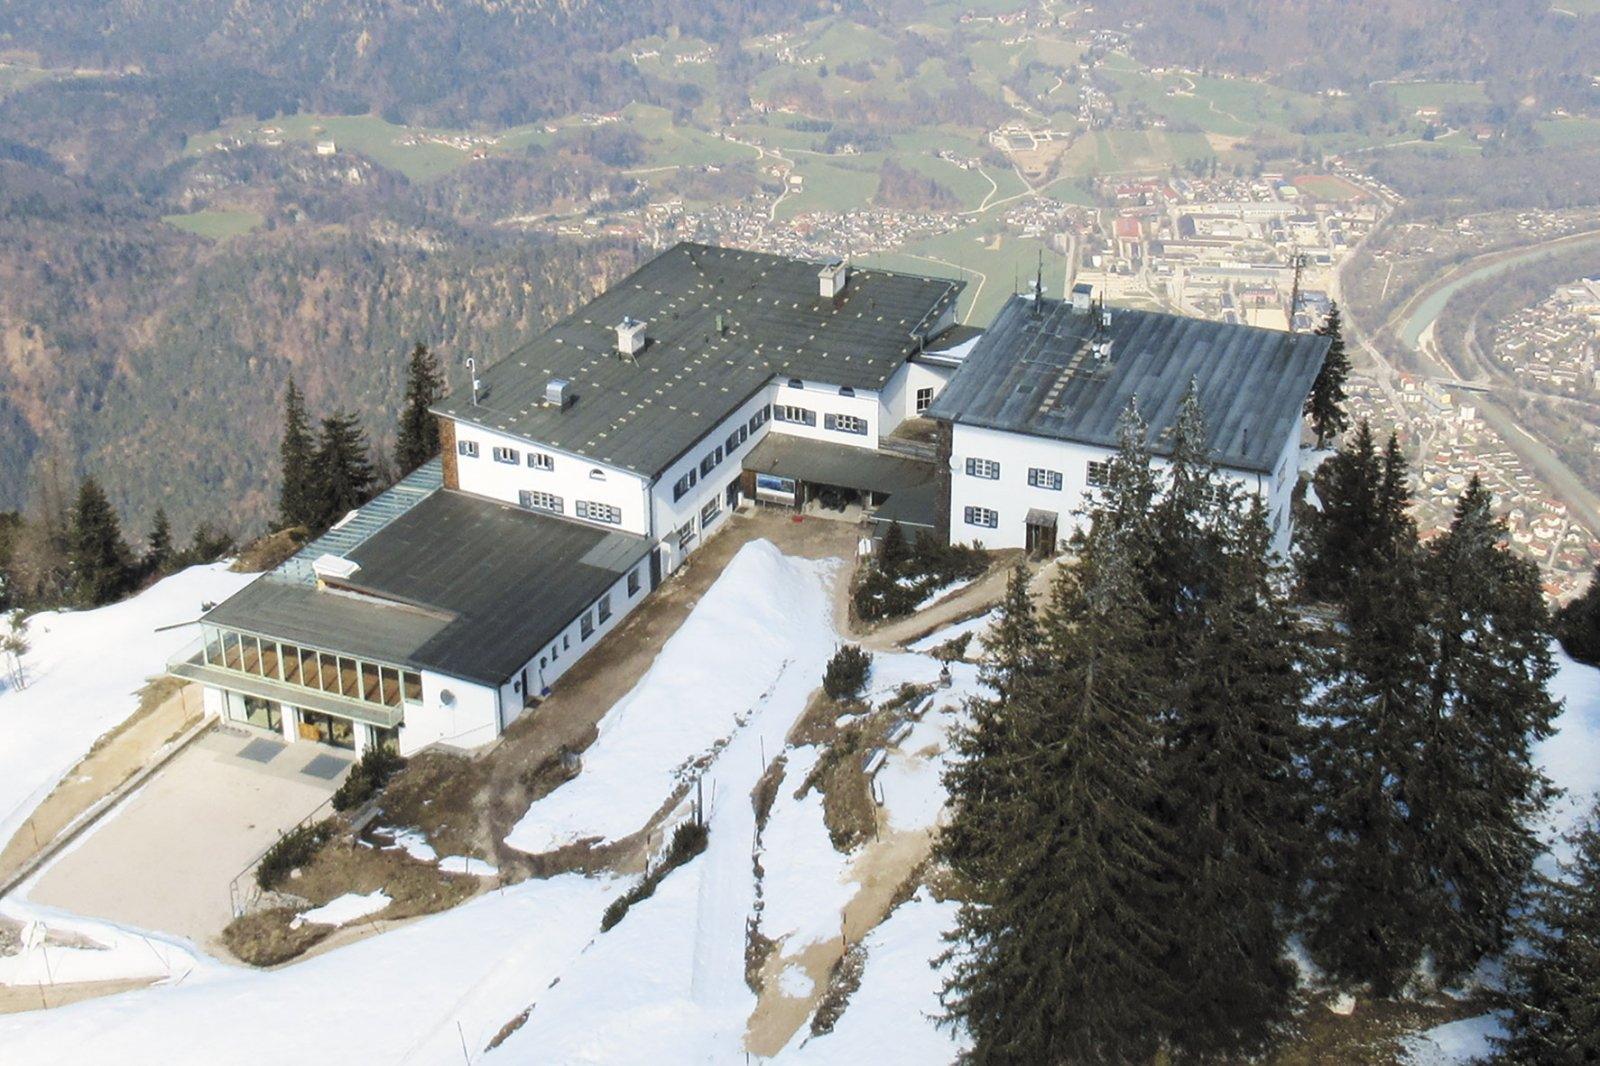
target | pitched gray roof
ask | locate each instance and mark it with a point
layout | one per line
(466, 586)
(640, 414)
(1050, 375)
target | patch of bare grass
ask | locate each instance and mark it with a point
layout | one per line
(843, 980)
(758, 948)
(1371, 1036)
(269, 937)
(269, 551)
(437, 793)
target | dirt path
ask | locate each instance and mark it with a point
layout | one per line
(15, 999)
(115, 758)
(881, 870)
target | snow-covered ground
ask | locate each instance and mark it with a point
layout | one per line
(667, 983)
(84, 670)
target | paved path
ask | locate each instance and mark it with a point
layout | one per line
(163, 858)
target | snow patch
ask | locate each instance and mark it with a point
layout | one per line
(415, 844)
(347, 908)
(466, 864)
(696, 696)
(1454, 1044)
(795, 983)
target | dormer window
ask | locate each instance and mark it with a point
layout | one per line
(796, 383)
(597, 474)
(846, 390)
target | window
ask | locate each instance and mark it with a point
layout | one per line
(586, 626)
(541, 501)
(924, 399)
(604, 608)
(541, 461)
(709, 513)
(596, 474)
(712, 460)
(468, 448)
(760, 418)
(845, 424)
(681, 487)
(410, 687)
(633, 582)
(986, 468)
(846, 390)
(1099, 473)
(736, 438)
(800, 415)
(1044, 479)
(981, 516)
(595, 511)
(796, 383)
(506, 455)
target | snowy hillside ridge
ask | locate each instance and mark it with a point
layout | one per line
(766, 617)
(84, 670)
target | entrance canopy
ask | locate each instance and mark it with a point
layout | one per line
(905, 488)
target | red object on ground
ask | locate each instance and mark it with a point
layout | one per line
(797, 518)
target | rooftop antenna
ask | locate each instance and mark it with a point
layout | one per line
(1299, 263)
(1038, 287)
(472, 369)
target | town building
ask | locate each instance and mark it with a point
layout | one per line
(1033, 413)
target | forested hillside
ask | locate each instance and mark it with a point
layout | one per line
(1516, 46)
(157, 359)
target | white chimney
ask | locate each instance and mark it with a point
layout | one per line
(558, 391)
(1082, 297)
(833, 278)
(630, 336)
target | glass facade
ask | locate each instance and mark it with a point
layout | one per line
(311, 668)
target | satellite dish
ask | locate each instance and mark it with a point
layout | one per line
(447, 698)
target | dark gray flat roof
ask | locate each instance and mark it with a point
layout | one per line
(823, 463)
(1040, 375)
(911, 486)
(641, 414)
(466, 586)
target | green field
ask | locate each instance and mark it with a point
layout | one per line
(1569, 130)
(990, 260)
(216, 225)
(1413, 95)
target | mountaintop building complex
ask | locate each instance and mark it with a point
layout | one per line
(580, 471)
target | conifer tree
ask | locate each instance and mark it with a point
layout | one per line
(1057, 956)
(1363, 520)
(1555, 986)
(1578, 624)
(893, 551)
(96, 553)
(1233, 798)
(345, 477)
(1475, 791)
(297, 497)
(159, 552)
(1436, 692)
(1230, 793)
(1325, 402)
(418, 437)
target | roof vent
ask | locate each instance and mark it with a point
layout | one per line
(1082, 297)
(630, 336)
(558, 391)
(333, 566)
(832, 278)
(1105, 318)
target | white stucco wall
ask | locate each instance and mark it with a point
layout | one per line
(824, 399)
(671, 515)
(898, 400)
(557, 657)
(1010, 496)
(471, 719)
(571, 477)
